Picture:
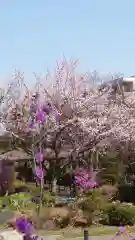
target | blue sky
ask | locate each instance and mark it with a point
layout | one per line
(36, 33)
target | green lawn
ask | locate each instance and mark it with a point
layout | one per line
(93, 231)
(71, 233)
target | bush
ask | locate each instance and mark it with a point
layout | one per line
(112, 169)
(48, 199)
(91, 204)
(109, 192)
(93, 201)
(126, 193)
(16, 202)
(116, 214)
(22, 186)
(34, 191)
(60, 216)
(62, 222)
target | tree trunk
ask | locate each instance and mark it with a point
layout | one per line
(54, 186)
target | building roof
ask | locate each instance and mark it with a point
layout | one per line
(15, 155)
(129, 79)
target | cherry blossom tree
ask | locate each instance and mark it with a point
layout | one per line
(8, 97)
(64, 114)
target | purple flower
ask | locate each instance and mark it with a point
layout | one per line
(23, 225)
(121, 228)
(39, 157)
(40, 116)
(39, 172)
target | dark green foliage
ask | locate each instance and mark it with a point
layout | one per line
(112, 169)
(7, 176)
(25, 172)
(126, 193)
(118, 214)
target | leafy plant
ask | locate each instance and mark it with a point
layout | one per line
(117, 214)
(91, 204)
(16, 201)
(48, 199)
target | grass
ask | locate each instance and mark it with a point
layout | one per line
(70, 233)
(104, 230)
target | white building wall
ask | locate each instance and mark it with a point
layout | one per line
(130, 79)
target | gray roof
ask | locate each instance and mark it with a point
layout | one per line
(15, 155)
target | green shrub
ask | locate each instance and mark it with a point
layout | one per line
(59, 217)
(116, 214)
(93, 201)
(17, 201)
(109, 192)
(62, 222)
(91, 204)
(112, 169)
(48, 199)
(19, 183)
(34, 191)
(27, 187)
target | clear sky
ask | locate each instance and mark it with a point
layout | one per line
(35, 33)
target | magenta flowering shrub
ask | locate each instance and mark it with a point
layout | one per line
(24, 226)
(39, 156)
(39, 112)
(37, 116)
(39, 172)
(84, 179)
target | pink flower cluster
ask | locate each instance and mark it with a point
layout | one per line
(83, 179)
